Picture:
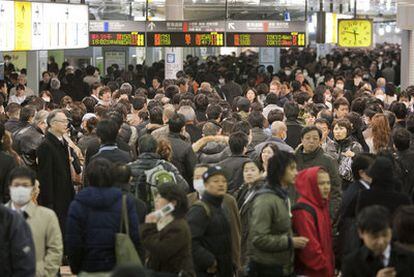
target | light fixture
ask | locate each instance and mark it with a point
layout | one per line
(388, 28)
(381, 31)
(397, 30)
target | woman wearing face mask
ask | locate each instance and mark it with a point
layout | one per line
(167, 236)
(253, 181)
(346, 148)
(43, 222)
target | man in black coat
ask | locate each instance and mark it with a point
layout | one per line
(405, 157)
(231, 89)
(7, 163)
(17, 252)
(378, 256)
(190, 127)
(294, 127)
(184, 157)
(54, 172)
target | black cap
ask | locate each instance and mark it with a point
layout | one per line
(213, 170)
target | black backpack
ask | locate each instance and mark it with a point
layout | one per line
(309, 209)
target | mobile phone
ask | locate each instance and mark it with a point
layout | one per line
(167, 209)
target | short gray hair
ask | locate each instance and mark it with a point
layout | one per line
(52, 116)
(40, 117)
(278, 126)
(188, 113)
(126, 87)
(55, 83)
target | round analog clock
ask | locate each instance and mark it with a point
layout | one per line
(355, 33)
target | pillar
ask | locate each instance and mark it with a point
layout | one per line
(33, 70)
(174, 10)
(405, 21)
(270, 56)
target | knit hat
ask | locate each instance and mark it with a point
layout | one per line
(214, 170)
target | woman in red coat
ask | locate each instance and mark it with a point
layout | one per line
(311, 220)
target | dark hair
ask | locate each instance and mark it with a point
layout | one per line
(311, 128)
(301, 97)
(176, 123)
(399, 109)
(121, 173)
(181, 81)
(404, 224)
(155, 115)
(26, 113)
(172, 192)
(201, 102)
(89, 103)
(147, 144)
(275, 115)
(374, 219)
(410, 123)
(291, 110)
(275, 150)
(271, 98)
(171, 90)
(241, 126)
(243, 104)
(22, 172)
(358, 105)
(117, 117)
(237, 142)
(107, 131)
(138, 102)
(213, 112)
(230, 76)
(277, 166)
(401, 138)
(322, 120)
(340, 102)
(343, 122)
(20, 87)
(99, 173)
(2, 132)
(361, 161)
(256, 119)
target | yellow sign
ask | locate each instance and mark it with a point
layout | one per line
(23, 26)
(355, 33)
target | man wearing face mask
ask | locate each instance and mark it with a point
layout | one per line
(42, 221)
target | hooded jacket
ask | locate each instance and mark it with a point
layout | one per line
(317, 258)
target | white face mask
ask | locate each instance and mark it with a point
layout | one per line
(46, 99)
(199, 186)
(288, 72)
(20, 195)
(380, 97)
(340, 86)
(317, 75)
(305, 74)
(221, 81)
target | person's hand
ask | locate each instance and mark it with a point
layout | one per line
(349, 154)
(213, 268)
(299, 242)
(387, 272)
(151, 218)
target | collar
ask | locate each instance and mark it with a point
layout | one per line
(107, 147)
(163, 222)
(214, 200)
(364, 184)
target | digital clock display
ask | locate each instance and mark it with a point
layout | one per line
(133, 39)
(182, 39)
(293, 39)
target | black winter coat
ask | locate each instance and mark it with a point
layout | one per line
(54, 176)
(231, 90)
(294, 130)
(211, 237)
(7, 164)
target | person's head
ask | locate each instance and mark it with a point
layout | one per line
(342, 128)
(291, 110)
(374, 228)
(360, 166)
(27, 114)
(275, 87)
(256, 119)
(238, 142)
(311, 137)
(329, 80)
(324, 183)
(20, 90)
(188, 113)
(121, 173)
(279, 130)
(215, 181)
(201, 102)
(198, 182)
(46, 77)
(380, 131)
(243, 105)
(399, 109)
(57, 122)
(55, 84)
(99, 173)
(22, 79)
(176, 123)
(40, 120)
(275, 115)
(105, 94)
(401, 138)
(107, 131)
(164, 149)
(282, 169)
(147, 144)
(251, 172)
(182, 84)
(403, 224)
(95, 88)
(230, 76)
(341, 107)
(171, 91)
(13, 110)
(323, 125)
(211, 129)
(21, 185)
(268, 151)
(214, 112)
(171, 193)
(251, 95)
(155, 115)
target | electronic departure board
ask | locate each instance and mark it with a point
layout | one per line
(185, 39)
(293, 39)
(133, 39)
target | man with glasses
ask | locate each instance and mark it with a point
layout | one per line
(54, 172)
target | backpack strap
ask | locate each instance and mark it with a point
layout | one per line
(308, 208)
(205, 206)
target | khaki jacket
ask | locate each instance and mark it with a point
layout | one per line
(47, 239)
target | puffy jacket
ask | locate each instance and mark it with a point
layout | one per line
(317, 258)
(211, 149)
(93, 220)
(270, 230)
(26, 142)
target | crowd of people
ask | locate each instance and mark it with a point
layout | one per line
(232, 169)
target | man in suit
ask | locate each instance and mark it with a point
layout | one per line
(378, 256)
(231, 89)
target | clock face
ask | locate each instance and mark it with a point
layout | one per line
(355, 33)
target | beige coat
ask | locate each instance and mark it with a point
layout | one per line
(47, 239)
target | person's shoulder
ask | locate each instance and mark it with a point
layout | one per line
(44, 212)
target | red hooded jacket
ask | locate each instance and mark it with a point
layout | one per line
(317, 258)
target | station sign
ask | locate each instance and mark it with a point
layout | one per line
(117, 33)
(186, 34)
(43, 26)
(266, 34)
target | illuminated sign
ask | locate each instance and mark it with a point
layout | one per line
(181, 39)
(132, 39)
(293, 39)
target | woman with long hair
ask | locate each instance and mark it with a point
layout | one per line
(7, 147)
(381, 134)
(268, 151)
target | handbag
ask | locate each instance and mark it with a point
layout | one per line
(125, 251)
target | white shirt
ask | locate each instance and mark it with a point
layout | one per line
(387, 255)
(22, 209)
(17, 99)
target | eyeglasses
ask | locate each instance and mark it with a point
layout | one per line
(61, 121)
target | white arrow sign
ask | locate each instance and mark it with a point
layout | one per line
(231, 26)
(151, 26)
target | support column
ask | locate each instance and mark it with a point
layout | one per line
(174, 10)
(33, 70)
(407, 58)
(270, 56)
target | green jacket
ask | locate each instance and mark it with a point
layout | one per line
(320, 158)
(270, 231)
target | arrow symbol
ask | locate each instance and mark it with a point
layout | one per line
(23, 11)
(151, 26)
(231, 26)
